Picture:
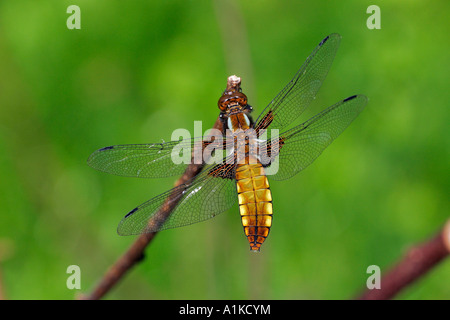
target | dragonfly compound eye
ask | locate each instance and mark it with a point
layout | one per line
(233, 99)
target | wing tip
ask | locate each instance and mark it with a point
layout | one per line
(120, 230)
(324, 40)
(131, 212)
(359, 96)
(336, 36)
(105, 148)
(350, 98)
(360, 99)
(93, 155)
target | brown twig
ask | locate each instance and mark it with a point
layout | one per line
(416, 263)
(136, 251)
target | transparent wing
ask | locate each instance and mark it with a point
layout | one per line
(300, 146)
(212, 192)
(155, 160)
(298, 94)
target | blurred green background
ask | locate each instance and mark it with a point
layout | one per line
(137, 70)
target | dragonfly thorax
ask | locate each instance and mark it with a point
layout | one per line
(238, 121)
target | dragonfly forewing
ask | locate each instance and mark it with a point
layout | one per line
(297, 95)
(156, 160)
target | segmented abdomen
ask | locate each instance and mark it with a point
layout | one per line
(255, 203)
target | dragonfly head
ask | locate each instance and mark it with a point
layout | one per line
(232, 97)
(232, 100)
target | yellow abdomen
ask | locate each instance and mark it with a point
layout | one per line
(255, 203)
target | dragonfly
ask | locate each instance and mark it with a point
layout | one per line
(244, 178)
